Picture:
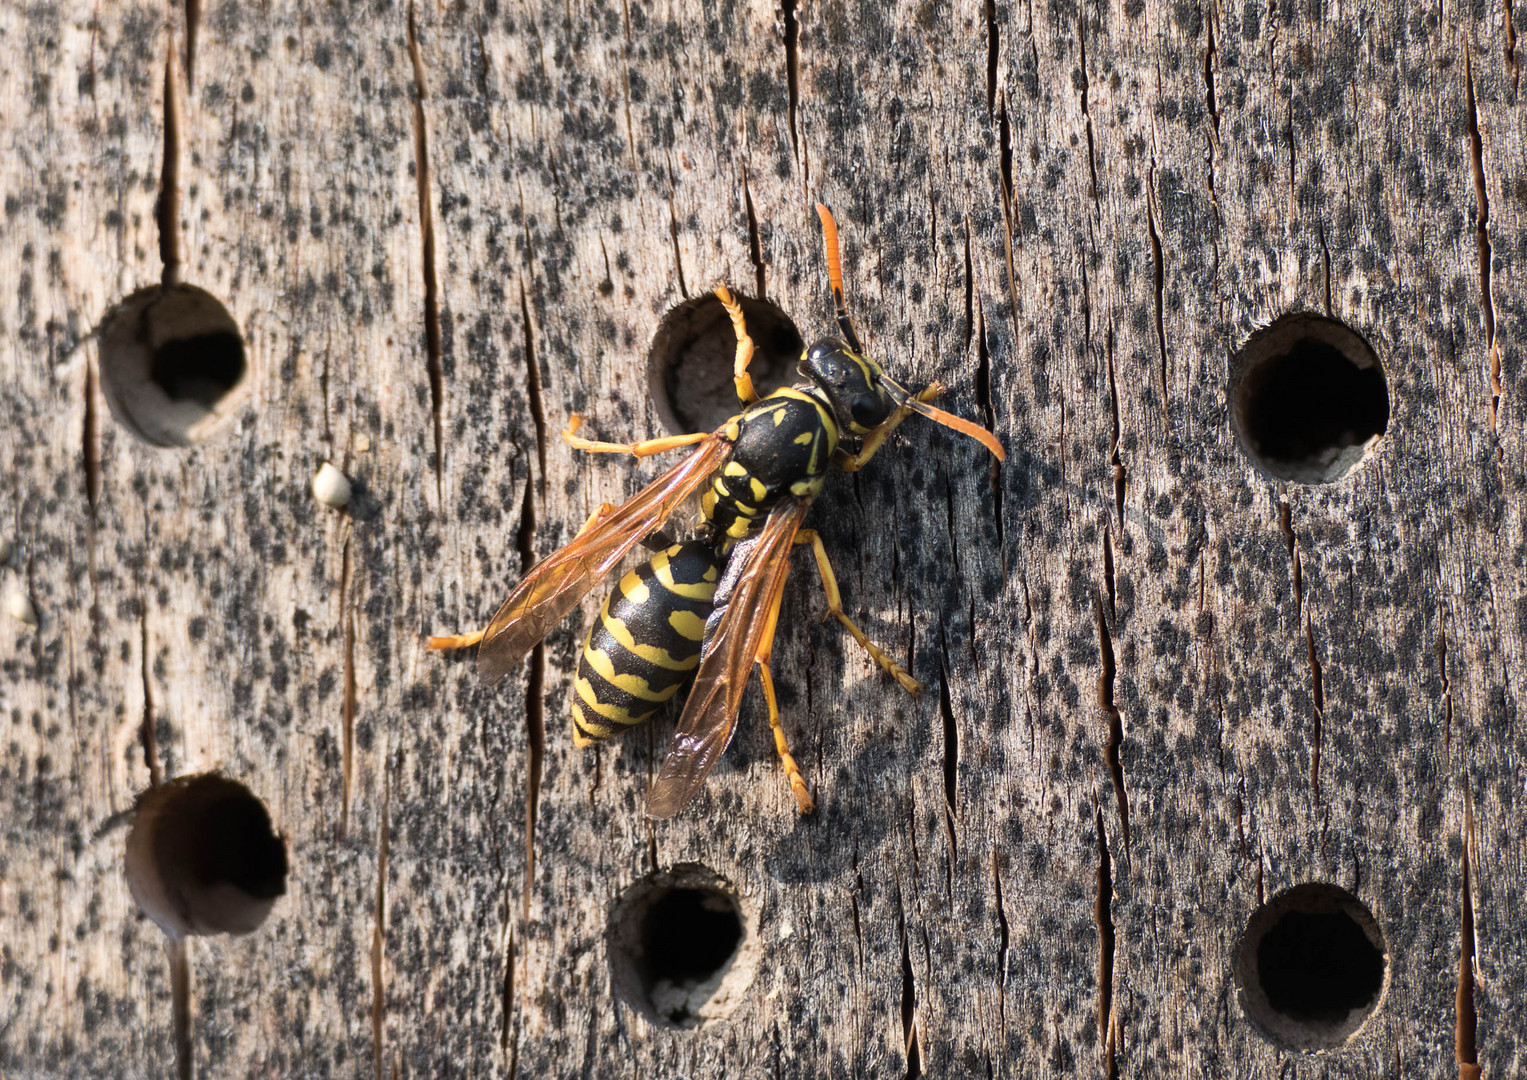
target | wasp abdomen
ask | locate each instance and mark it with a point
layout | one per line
(646, 641)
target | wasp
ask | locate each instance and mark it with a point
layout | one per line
(711, 605)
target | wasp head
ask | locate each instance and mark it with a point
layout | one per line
(861, 394)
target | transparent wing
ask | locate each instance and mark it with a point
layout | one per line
(557, 583)
(705, 728)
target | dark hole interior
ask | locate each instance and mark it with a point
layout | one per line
(688, 935)
(690, 363)
(234, 842)
(1310, 401)
(201, 368)
(1318, 966)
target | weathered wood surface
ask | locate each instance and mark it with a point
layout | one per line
(1005, 176)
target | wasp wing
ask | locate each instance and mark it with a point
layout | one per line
(557, 583)
(710, 714)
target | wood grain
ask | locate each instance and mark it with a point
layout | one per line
(1160, 687)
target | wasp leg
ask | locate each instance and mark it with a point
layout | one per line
(462, 641)
(641, 449)
(740, 377)
(798, 787)
(876, 439)
(835, 609)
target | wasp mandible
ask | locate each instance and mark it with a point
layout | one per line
(711, 605)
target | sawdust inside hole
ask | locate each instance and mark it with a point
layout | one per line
(692, 357)
(173, 364)
(1308, 399)
(1311, 968)
(683, 949)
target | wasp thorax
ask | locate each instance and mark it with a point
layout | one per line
(854, 384)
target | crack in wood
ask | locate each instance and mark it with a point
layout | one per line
(1005, 160)
(1004, 938)
(91, 449)
(678, 258)
(792, 25)
(535, 705)
(1159, 283)
(1466, 1032)
(432, 338)
(910, 1044)
(167, 205)
(1513, 66)
(180, 1006)
(1296, 563)
(533, 389)
(506, 1042)
(1102, 912)
(625, 16)
(1081, 45)
(951, 754)
(379, 939)
(1111, 713)
(193, 27)
(755, 242)
(1325, 262)
(975, 327)
(1115, 460)
(349, 692)
(148, 733)
(1318, 697)
(993, 50)
(1447, 686)
(1482, 241)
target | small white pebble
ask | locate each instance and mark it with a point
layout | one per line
(5, 550)
(18, 605)
(331, 486)
(362, 443)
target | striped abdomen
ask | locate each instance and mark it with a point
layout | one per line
(646, 641)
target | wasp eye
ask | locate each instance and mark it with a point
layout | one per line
(867, 410)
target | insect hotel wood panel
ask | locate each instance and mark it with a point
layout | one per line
(1217, 768)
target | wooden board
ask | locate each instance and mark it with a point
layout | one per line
(1160, 687)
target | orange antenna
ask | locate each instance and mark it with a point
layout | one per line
(964, 427)
(835, 276)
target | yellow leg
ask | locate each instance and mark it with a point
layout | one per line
(740, 377)
(639, 449)
(876, 439)
(462, 641)
(835, 609)
(798, 786)
(453, 641)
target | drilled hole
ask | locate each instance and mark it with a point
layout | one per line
(202, 857)
(682, 952)
(173, 365)
(1311, 967)
(1308, 399)
(690, 363)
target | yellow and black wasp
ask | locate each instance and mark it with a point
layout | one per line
(711, 605)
